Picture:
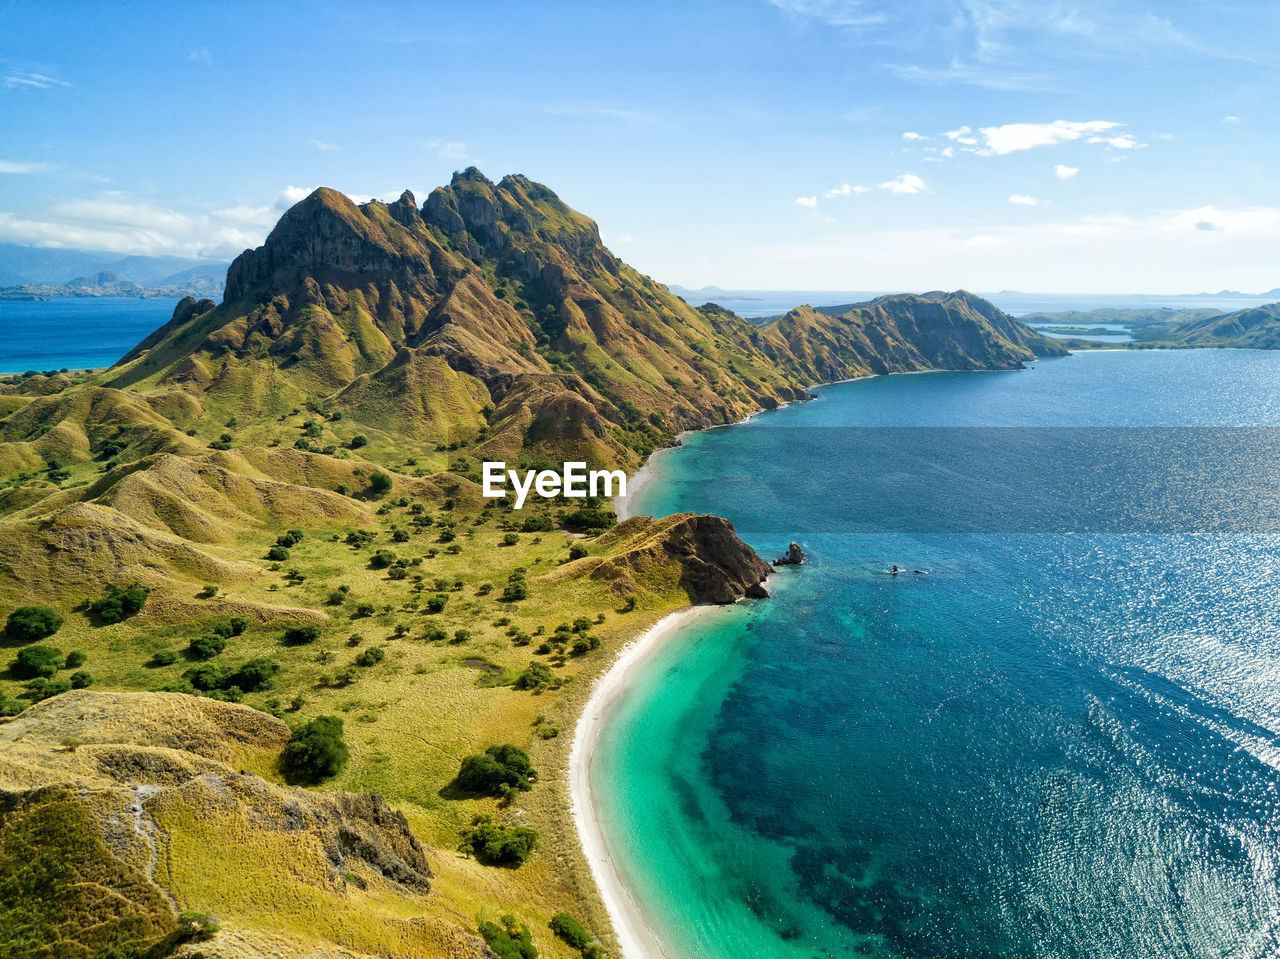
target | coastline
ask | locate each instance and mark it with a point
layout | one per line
(636, 939)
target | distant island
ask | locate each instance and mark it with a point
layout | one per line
(36, 273)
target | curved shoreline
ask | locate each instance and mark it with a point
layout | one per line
(636, 938)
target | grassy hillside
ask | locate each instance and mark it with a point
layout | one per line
(272, 502)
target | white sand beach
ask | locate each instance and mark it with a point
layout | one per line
(636, 939)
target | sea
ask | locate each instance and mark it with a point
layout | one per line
(1055, 732)
(75, 332)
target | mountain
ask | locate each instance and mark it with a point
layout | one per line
(1255, 328)
(499, 297)
(290, 481)
(28, 264)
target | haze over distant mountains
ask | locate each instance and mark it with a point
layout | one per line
(62, 272)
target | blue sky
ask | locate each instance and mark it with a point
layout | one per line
(801, 144)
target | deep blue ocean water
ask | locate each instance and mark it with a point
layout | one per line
(1060, 741)
(74, 332)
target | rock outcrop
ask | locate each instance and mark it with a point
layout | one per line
(702, 554)
(794, 557)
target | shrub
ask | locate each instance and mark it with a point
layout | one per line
(292, 538)
(41, 688)
(75, 659)
(11, 707)
(365, 609)
(255, 675)
(278, 554)
(382, 559)
(515, 592)
(397, 573)
(379, 484)
(317, 751)
(301, 635)
(511, 940)
(499, 845)
(436, 604)
(37, 662)
(206, 647)
(588, 519)
(497, 770)
(358, 441)
(370, 657)
(206, 677)
(337, 597)
(120, 605)
(510, 539)
(238, 625)
(570, 930)
(461, 635)
(537, 676)
(434, 634)
(538, 523)
(27, 624)
(163, 657)
(577, 552)
(81, 679)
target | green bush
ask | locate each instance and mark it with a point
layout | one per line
(497, 845)
(400, 536)
(316, 752)
(511, 940)
(120, 605)
(570, 930)
(538, 523)
(379, 484)
(370, 657)
(301, 635)
(278, 554)
(588, 519)
(163, 657)
(81, 679)
(577, 552)
(238, 625)
(75, 659)
(382, 559)
(358, 441)
(436, 604)
(510, 539)
(537, 676)
(255, 675)
(27, 624)
(496, 771)
(42, 688)
(36, 661)
(206, 647)
(11, 707)
(515, 592)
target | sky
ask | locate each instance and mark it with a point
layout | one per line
(1099, 146)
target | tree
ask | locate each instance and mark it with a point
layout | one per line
(317, 751)
(81, 679)
(370, 657)
(577, 552)
(75, 659)
(358, 441)
(27, 624)
(382, 559)
(257, 674)
(379, 484)
(206, 647)
(278, 554)
(119, 605)
(570, 930)
(498, 845)
(510, 940)
(496, 771)
(37, 662)
(301, 635)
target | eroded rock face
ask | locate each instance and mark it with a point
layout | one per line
(703, 553)
(148, 773)
(794, 557)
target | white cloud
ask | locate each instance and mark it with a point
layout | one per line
(911, 135)
(13, 166)
(324, 147)
(1122, 142)
(1014, 137)
(454, 150)
(962, 135)
(807, 201)
(837, 13)
(1231, 120)
(1021, 199)
(1064, 172)
(904, 185)
(22, 78)
(844, 189)
(201, 55)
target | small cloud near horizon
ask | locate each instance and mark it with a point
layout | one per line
(845, 189)
(911, 136)
(13, 166)
(1022, 199)
(20, 79)
(904, 185)
(1064, 172)
(810, 202)
(325, 147)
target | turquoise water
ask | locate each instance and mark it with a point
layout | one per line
(1060, 742)
(75, 333)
